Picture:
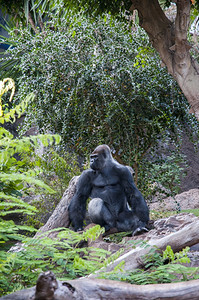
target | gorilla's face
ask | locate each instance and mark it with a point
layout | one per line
(100, 157)
(97, 161)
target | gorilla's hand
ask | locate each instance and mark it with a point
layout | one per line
(139, 231)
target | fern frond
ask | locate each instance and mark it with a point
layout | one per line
(5, 134)
(18, 110)
(26, 142)
(10, 146)
(14, 202)
(29, 179)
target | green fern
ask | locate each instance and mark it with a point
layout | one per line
(17, 176)
(60, 255)
(178, 257)
(17, 111)
(155, 270)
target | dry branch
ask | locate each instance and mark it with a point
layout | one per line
(187, 236)
(84, 289)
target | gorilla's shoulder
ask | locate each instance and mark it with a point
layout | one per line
(121, 168)
(87, 173)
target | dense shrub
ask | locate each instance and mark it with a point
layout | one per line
(97, 82)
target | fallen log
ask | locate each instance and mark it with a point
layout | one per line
(48, 288)
(133, 259)
(59, 217)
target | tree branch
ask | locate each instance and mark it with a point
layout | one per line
(187, 236)
(30, 20)
(158, 27)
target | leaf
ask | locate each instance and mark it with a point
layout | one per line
(16, 176)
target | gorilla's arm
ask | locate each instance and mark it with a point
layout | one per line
(134, 197)
(77, 207)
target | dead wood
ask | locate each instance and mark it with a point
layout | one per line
(48, 288)
(187, 236)
(59, 217)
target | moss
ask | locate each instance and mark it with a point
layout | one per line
(154, 215)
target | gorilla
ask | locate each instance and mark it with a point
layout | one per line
(115, 200)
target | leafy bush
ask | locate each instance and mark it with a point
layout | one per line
(97, 82)
(21, 161)
(163, 176)
(18, 175)
(58, 167)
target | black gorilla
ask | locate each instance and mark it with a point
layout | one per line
(116, 202)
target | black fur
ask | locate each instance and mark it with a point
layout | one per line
(111, 187)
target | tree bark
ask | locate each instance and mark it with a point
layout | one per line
(170, 40)
(84, 289)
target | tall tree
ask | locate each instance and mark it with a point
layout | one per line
(167, 37)
(170, 40)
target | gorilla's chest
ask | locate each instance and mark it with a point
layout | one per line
(105, 180)
(107, 186)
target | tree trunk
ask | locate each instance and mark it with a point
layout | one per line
(170, 40)
(84, 289)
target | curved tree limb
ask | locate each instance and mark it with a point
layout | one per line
(170, 40)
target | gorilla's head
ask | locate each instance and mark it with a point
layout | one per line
(100, 156)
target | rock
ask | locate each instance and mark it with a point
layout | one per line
(165, 226)
(183, 201)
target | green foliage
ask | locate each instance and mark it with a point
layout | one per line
(162, 175)
(62, 255)
(157, 271)
(92, 7)
(178, 257)
(22, 168)
(163, 274)
(58, 167)
(18, 173)
(11, 176)
(87, 76)
(10, 115)
(31, 13)
(10, 231)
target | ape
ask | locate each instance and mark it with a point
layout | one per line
(115, 200)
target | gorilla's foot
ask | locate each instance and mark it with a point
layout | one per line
(79, 229)
(139, 230)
